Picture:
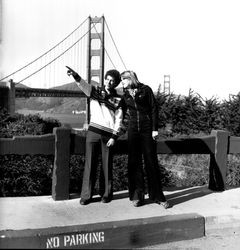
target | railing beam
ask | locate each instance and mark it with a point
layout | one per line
(63, 142)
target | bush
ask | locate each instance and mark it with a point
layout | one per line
(18, 124)
(76, 173)
(25, 175)
(184, 170)
(233, 170)
(120, 181)
(231, 115)
(193, 115)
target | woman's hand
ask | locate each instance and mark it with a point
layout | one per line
(154, 135)
(110, 142)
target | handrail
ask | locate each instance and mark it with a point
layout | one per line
(64, 142)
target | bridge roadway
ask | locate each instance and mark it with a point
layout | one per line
(41, 222)
(37, 92)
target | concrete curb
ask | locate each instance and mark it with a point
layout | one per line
(222, 225)
(40, 222)
(116, 234)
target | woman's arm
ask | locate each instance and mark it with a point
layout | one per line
(153, 109)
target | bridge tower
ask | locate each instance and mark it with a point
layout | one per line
(95, 54)
(166, 85)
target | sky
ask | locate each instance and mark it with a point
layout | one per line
(196, 42)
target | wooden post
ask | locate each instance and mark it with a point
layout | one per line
(61, 172)
(218, 161)
(11, 97)
(7, 96)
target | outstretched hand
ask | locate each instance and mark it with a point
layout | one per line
(110, 142)
(74, 74)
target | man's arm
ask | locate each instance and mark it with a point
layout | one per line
(117, 127)
(83, 85)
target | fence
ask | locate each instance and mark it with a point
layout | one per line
(64, 142)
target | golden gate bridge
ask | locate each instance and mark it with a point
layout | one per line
(89, 49)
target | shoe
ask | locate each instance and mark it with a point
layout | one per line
(105, 199)
(84, 201)
(165, 204)
(137, 203)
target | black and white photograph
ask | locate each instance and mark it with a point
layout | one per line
(120, 124)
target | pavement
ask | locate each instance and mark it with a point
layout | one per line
(40, 222)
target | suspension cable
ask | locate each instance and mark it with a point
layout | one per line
(45, 52)
(66, 51)
(110, 59)
(56, 57)
(115, 45)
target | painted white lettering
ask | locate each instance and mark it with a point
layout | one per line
(101, 236)
(53, 242)
(95, 237)
(76, 239)
(72, 242)
(49, 243)
(56, 242)
(90, 238)
(85, 238)
(66, 240)
(80, 239)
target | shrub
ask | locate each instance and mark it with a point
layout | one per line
(25, 175)
(120, 179)
(233, 170)
(231, 115)
(184, 170)
(193, 115)
(18, 124)
(76, 173)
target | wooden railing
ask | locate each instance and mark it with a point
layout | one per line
(64, 142)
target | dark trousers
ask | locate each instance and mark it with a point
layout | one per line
(95, 142)
(141, 144)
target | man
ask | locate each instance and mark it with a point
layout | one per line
(103, 129)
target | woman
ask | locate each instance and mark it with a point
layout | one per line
(139, 103)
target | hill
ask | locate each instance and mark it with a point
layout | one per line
(53, 104)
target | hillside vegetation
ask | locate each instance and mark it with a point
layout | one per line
(59, 105)
(191, 115)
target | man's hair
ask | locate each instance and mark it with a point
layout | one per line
(115, 74)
